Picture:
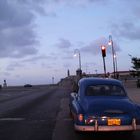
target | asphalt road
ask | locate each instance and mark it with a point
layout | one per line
(42, 113)
(29, 113)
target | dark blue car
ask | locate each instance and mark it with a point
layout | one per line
(103, 105)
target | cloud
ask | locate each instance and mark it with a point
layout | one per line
(68, 57)
(95, 46)
(5, 74)
(63, 44)
(40, 57)
(17, 35)
(51, 6)
(17, 27)
(34, 5)
(128, 26)
(136, 11)
(12, 66)
(134, 6)
(127, 30)
(48, 7)
(78, 2)
(66, 49)
(44, 65)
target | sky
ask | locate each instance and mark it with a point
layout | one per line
(38, 37)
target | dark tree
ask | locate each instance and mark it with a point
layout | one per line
(136, 66)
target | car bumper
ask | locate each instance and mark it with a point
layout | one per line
(97, 127)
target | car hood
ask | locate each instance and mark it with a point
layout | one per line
(106, 106)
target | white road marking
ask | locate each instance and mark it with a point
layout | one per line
(12, 119)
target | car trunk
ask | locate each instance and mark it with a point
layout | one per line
(110, 107)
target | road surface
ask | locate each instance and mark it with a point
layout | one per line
(42, 113)
(29, 113)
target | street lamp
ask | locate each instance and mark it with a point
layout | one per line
(110, 43)
(116, 65)
(77, 52)
(103, 49)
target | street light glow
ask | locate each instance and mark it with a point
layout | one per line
(110, 43)
(115, 56)
(75, 55)
(103, 47)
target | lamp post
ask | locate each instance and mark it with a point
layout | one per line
(103, 49)
(76, 51)
(110, 43)
(79, 71)
(116, 65)
(53, 80)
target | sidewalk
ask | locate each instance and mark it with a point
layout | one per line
(133, 91)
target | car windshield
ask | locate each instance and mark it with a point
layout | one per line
(105, 90)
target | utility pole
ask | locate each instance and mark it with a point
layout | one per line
(103, 49)
(113, 54)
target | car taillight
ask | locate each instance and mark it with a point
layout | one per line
(80, 117)
(90, 120)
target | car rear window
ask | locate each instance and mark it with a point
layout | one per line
(105, 90)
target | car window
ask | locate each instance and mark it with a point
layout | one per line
(105, 90)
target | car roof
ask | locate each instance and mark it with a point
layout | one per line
(85, 82)
(92, 81)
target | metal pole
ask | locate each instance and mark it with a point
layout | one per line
(76, 51)
(53, 80)
(113, 60)
(116, 66)
(104, 66)
(79, 61)
(110, 39)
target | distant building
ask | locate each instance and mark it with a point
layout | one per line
(123, 74)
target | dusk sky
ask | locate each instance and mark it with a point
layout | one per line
(38, 37)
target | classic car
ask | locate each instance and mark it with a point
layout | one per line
(103, 105)
(27, 85)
